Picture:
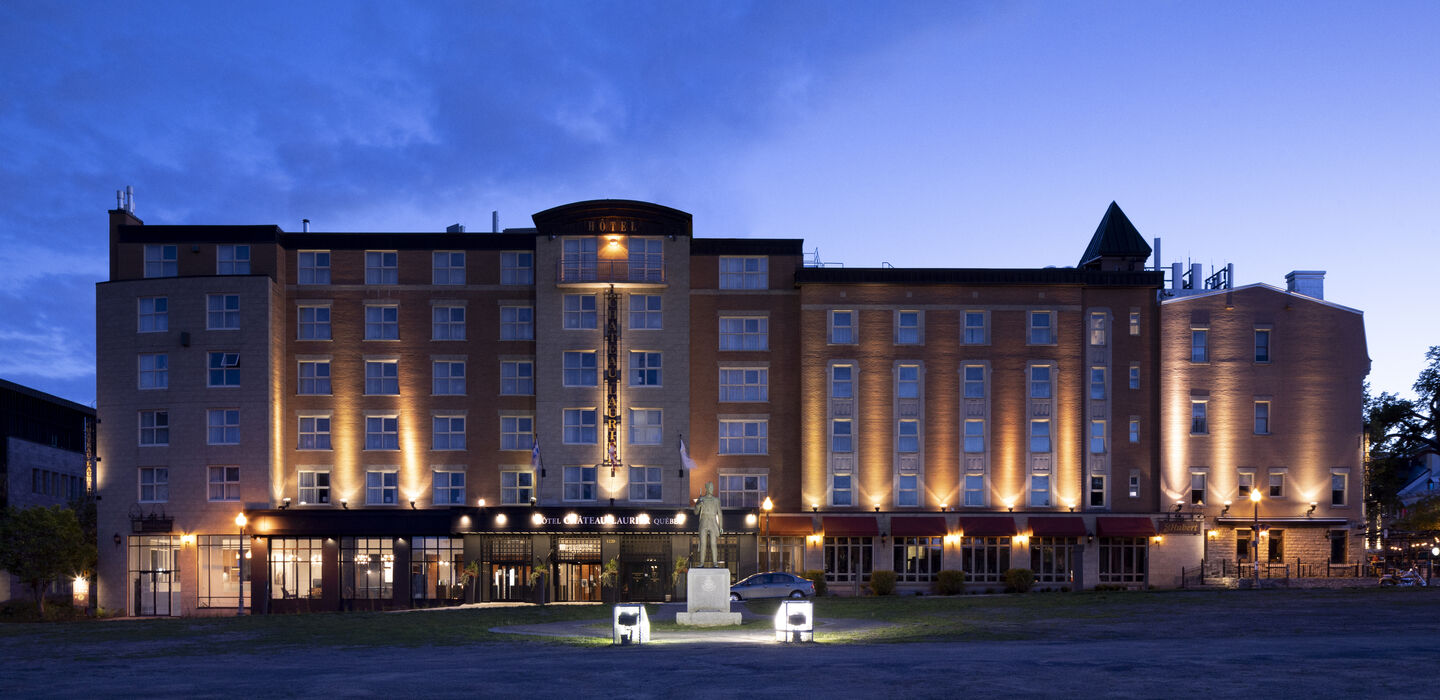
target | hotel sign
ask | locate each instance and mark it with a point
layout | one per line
(1179, 527)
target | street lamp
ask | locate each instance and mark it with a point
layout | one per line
(1255, 536)
(767, 505)
(240, 563)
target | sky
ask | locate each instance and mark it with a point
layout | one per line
(1276, 136)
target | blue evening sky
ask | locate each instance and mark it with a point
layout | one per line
(1274, 135)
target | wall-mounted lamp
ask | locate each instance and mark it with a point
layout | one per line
(877, 507)
(345, 503)
(117, 539)
(1179, 505)
(814, 507)
(1010, 507)
(1313, 506)
(1227, 508)
(481, 503)
(412, 504)
(751, 519)
(1089, 538)
(284, 503)
(944, 507)
(532, 500)
(1212, 533)
(1157, 539)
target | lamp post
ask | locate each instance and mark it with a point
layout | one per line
(1255, 535)
(240, 564)
(767, 505)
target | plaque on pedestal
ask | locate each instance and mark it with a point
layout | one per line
(707, 599)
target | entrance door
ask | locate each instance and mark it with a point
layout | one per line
(509, 582)
(155, 580)
(579, 582)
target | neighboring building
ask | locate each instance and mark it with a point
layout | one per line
(46, 461)
(1424, 482)
(378, 403)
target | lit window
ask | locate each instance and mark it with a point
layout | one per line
(1039, 436)
(314, 433)
(647, 259)
(314, 322)
(382, 377)
(578, 312)
(1198, 423)
(232, 260)
(517, 378)
(154, 371)
(744, 384)
(1097, 491)
(382, 433)
(154, 314)
(743, 490)
(645, 312)
(382, 322)
(744, 437)
(744, 333)
(907, 327)
(1199, 345)
(974, 436)
(908, 436)
(224, 483)
(578, 260)
(842, 327)
(841, 439)
(1277, 484)
(842, 381)
(1042, 328)
(448, 488)
(579, 368)
(516, 487)
(1097, 436)
(1262, 417)
(580, 426)
(517, 267)
(447, 323)
(382, 267)
(1134, 375)
(154, 484)
(907, 382)
(222, 426)
(645, 426)
(314, 488)
(907, 492)
(1097, 383)
(314, 378)
(1134, 484)
(1097, 328)
(974, 490)
(160, 261)
(1134, 323)
(222, 312)
(382, 488)
(224, 369)
(313, 266)
(1039, 381)
(517, 433)
(840, 494)
(154, 428)
(645, 483)
(1134, 429)
(1262, 345)
(447, 378)
(1246, 481)
(975, 328)
(448, 267)
(579, 483)
(517, 323)
(1039, 490)
(744, 273)
(644, 368)
(974, 381)
(1197, 488)
(448, 432)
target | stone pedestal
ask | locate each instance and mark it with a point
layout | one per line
(707, 602)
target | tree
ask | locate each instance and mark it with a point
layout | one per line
(1400, 428)
(42, 545)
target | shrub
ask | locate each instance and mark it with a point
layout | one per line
(883, 582)
(818, 577)
(1019, 580)
(950, 582)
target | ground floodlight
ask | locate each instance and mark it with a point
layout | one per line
(631, 625)
(795, 621)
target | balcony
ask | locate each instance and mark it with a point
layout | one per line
(569, 271)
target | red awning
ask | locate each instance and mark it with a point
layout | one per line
(1064, 526)
(918, 526)
(983, 526)
(864, 526)
(789, 525)
(1124, 526)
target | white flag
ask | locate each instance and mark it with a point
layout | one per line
(535, 456)
(685, 456)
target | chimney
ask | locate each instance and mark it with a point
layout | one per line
(1311, 283)
(495, 221)
(455, 228)
(304, 226)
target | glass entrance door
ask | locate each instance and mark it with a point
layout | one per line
(509, 582)
(579, 582)
(154, 575)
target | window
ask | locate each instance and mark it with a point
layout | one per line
(448, 432)
(222, 426)
(314, 377)
(314, 488)
(744, 384)
(1197, 488)
(1052, 559)
(154, 428)
(224, 369)
(447, 323)
(313, 267)
(1198, 424)
(1338, 550)
(842, 381)
(644, 368)
(1246, 481)
(367, 567)
(517, 433)
(160, 261)
(644, 483)
(517, 323)
(744, 272)
(1039, 490)
(222, 312)
(1123, 559)
(1262, 417)
(314, 433)
(1097, 383)
(381, 267)
(743, 490)
(1277, 484)
(907, 327)
(907, 382)
(1134, 323)
(382, 377)
(578, 311)
(1042, 328)
(517, 378)
(1262, 345)
(975, 328)
(578, 260)
(645, 426)
(517, 268)
(744, 437)
(579, 483)
(974, 436)
(382, 322)
(647, 259)
(154, 314)
(447, 378)
(382, 488)
(154, 371)
(840, 493)
(1097, 437)
(517, 486)
(744, 333)
(232, 260)
(645, 312)
(1134, 375)
(580, 426)
(1339, 481)
(1199, 345)
(1039, 436)
(1276, 547)
(974, 490)
(314, 323)
(907, 436)
(1134, 429)
(447, 488)
(1134, 483)
(907, 491)
(842, 327)
(154, 484)
(1097, 491)
(447, 267)
(841, 437)
(224, 484)
(1039, 381)
(1097, 328)
(974, 381)
(579, 368)
(382, 433)
(985, 559)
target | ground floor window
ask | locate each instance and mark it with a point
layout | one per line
(1052, 559)
(784, 554)
(295, 567)
(848, 559)
(154, 574)
(1339, 552)
(435, 566)
(223, 563)
(727, 549)
(1123, 559)
(985, 559)
(917, 559)
(367, 568)
(1244, 545)
(1276, 549)
(578, 569)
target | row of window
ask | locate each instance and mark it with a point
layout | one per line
(974, 490)
(1200, 417)
(975, 330)
(222, 369)
(163, 260)
(1041, 385)
(44, 482)
(1200, 345)
(1274, 487)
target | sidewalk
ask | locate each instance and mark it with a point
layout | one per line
(755, 629)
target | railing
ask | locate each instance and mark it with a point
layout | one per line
(572, 271)
(1225, 569)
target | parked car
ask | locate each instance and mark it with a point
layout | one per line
(1403, 578)
(772, 585)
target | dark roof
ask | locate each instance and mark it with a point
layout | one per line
(1115, 237)
(510, 239)
(974, 276)
(51, 398)
(747, 246)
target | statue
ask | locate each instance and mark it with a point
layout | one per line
(707, 512)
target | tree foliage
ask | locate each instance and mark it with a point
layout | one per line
(42, 545)
(1400, 428)
(1424, 515)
